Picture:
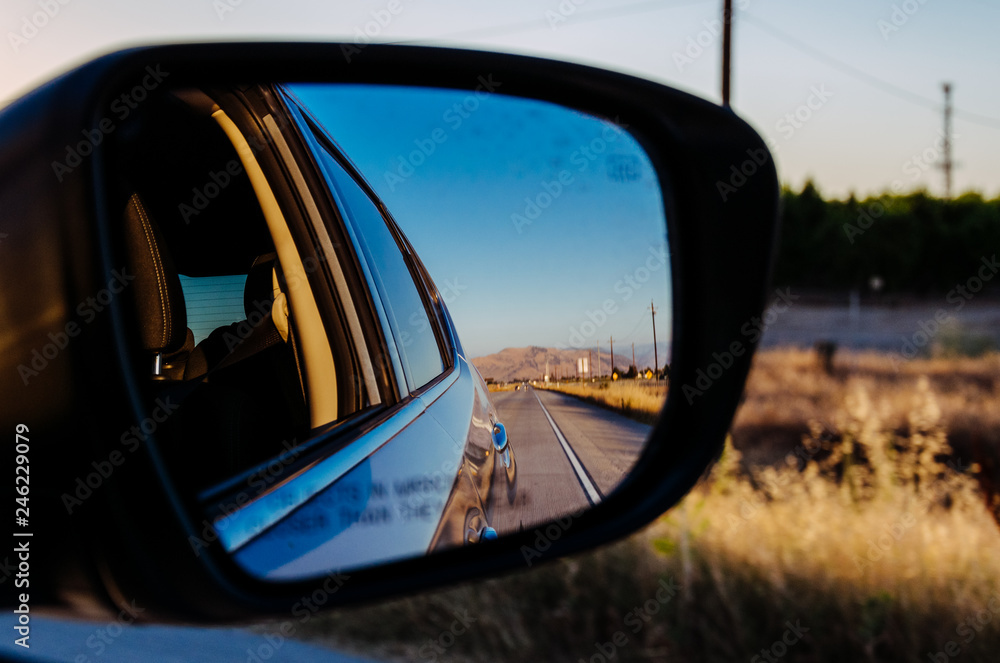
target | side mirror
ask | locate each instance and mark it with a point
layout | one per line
(246, 347)
(499, 438)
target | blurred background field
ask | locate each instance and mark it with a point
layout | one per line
(849, 515)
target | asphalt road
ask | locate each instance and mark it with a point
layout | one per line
(885, 328)
(556, 477)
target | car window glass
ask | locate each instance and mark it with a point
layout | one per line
(415, 338)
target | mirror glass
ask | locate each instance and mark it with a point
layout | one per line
(416, 318)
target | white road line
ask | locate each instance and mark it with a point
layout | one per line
(592, 493)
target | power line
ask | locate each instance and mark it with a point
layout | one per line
(657, 5)
(631, 334)
(583, 16)
(874, 81)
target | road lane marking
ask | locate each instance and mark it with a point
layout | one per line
(588, 486)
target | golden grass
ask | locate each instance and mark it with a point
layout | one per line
(882, 540)
(639, 399)
(787, 387)
(507, 386)
(870, 530)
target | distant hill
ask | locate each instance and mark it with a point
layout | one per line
(529, 363)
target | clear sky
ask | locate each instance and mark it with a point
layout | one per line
(883, 66)
(540, 225)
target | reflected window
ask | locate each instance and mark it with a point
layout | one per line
(212, 302)
(416, 341)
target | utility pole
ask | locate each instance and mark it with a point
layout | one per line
(656, 359)
(612, 355)
(590, 363)
(598, 361)
(727, 48)
(947, 164)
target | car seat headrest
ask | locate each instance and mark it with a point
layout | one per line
(263, 292)
(260, 292)
(157, 289)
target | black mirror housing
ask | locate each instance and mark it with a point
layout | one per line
(109, 527)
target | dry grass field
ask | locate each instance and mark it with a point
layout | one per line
(638, 399)
(501, 387)
(845, 521)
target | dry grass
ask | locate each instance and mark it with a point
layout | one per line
(881, 544)
(638, 399)
(867, 531)
(787, 394)
(507, 386)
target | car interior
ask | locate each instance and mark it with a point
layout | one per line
(225, 331)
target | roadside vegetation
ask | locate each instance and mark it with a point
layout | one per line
(857, 529)
(638, 399)
(506, 386)
(915, 243)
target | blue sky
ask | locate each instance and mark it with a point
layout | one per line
(540, 225)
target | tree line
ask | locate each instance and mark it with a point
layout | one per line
(911, 243)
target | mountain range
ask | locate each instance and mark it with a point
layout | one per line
(530, 363)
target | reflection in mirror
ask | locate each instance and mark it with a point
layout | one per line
(430, 325)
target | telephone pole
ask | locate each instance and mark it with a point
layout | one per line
(947, 164)
(727, 48)
(598, 361)
(612, 355)
(656, 358)
(590, 364)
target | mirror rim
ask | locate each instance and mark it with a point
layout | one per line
(721, 250)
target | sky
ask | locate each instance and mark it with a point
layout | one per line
(846, 93)
(879, 64)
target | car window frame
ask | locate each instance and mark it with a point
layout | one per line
(382, 270)
(317, 137)
(325, 439)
